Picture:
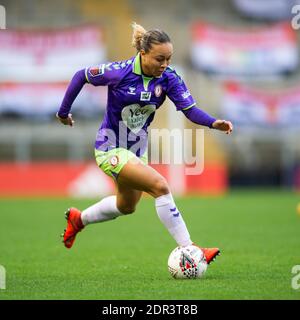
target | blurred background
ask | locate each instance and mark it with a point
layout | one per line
(239, 58)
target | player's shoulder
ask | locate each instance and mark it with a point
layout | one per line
(116, 67)
(119, 66)
(122, 64)
(172, 75)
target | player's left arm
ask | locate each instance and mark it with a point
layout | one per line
(200, 117)
(183, 100)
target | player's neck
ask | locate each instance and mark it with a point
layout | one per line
(145, 71)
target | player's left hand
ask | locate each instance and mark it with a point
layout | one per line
(66, 121)
(223, 125)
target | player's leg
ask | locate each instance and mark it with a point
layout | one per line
(109, 208)
(127, 198)
(144, 178)
(139, 176)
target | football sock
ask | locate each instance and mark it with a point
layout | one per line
(172, 219)
(104, 210)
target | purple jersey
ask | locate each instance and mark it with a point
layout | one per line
(132, 101)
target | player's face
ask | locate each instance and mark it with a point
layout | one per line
(157, 59)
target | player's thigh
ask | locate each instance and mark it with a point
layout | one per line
(127, 198)
(138, 176)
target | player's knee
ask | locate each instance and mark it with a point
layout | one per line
(126, 209)
(161, 187)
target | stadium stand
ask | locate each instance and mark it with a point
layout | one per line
(262, 157)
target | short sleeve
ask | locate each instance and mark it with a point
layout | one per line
(104, 74)
(179, 93)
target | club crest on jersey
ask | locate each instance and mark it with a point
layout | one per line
(158, 91)
(114, 160)
(97, 71)
(145, 96)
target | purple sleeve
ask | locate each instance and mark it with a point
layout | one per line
(72, 92)
(178, 92)
(105, 74)
(198, 116)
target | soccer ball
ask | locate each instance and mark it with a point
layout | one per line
(187, 262)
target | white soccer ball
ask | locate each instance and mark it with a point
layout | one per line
(187, 262)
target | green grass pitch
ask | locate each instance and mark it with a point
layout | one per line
(258, 233)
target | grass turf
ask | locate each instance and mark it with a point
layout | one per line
(257, 231)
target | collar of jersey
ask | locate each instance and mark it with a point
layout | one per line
(137, 69)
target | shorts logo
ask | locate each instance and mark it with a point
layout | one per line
(158, 90)
(97, 71)
(114, 160)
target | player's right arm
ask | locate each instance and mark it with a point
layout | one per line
(101, 75)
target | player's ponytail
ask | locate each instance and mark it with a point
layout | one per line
(143, 40)
(137, 36)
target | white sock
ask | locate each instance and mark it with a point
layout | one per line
(172, 219)
(104, 210)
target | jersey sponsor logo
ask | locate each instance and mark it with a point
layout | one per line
(97, 71)
(135, 116)
(145, 96)
(158, 90)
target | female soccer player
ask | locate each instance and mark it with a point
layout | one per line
(136, 88)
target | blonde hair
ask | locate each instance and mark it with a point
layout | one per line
(143, 39)
(137, 35)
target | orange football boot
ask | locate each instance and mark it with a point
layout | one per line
(74, 226)
(210, 253)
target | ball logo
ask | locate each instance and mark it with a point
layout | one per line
(114, 160)
(158, 90)
(187, 263)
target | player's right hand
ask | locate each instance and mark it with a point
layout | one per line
(66, 121)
